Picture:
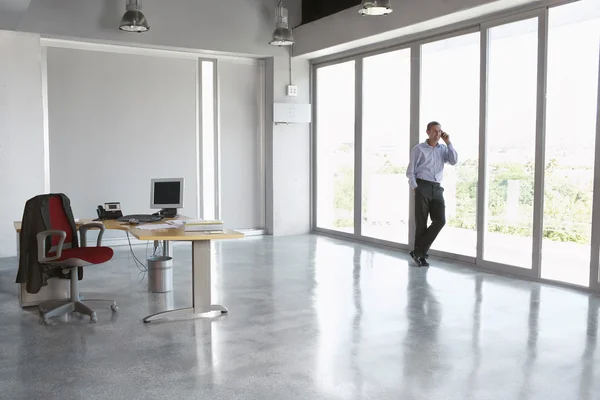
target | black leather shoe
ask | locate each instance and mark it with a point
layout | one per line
(423, 262)
(415, 258)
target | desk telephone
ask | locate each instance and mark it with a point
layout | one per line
(113, 211)
(109, 211)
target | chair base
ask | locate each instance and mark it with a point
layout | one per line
(57, 308)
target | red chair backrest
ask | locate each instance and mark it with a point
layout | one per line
(59, 220)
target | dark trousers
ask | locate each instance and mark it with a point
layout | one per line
(429, 201)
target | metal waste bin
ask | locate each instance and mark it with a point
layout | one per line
(160, 274)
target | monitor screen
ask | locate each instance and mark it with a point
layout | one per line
(167, 193)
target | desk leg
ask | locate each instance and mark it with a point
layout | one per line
(167, 247)
(201, 289)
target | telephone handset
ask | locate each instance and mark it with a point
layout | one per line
(109, 211)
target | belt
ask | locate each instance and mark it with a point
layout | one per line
(428, 182)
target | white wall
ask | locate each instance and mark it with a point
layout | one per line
(116, 121)
(287, 146)
(242, 191)
(21, 130)
(288, 153)
(347, 29)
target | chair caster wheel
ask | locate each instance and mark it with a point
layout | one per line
(114, 307)
(93, 318)
(43, 319)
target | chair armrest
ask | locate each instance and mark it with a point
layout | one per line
(41, 242)
(92, 225)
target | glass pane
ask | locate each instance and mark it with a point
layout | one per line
(511, 130)
(573, 40)
(208, 140)
(386, 140)
(335, 147)
(450, 95)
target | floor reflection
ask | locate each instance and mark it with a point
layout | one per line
(586, 391)
(355, 348)
(528, 369)
(421, 346)
(475, 336)
(206, 338)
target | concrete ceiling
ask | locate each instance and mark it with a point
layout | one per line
(17, 5)
(12, 12)
(232, 27)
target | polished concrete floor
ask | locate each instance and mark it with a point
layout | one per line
(310, 318)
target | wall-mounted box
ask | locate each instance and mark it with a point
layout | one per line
(292, 113)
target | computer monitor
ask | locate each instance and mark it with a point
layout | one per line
(167, 194)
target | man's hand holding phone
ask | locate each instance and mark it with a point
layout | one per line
(445, 137)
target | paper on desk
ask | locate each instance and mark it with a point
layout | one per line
(176, 222)
(155, 227)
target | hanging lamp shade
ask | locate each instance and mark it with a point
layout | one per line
(134, 19)
(283, 35)
(375, 7)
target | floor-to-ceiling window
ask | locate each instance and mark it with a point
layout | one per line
(450, 96)
(572, 93)
(335, 147)
(386, 134)
(531, 119)
(511, 132)
(209, 192)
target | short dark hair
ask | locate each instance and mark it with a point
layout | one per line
(432, 124)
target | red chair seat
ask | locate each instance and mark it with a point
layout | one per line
(92, 255)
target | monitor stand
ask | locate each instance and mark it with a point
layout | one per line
(168, 212)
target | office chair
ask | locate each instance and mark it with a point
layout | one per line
(62, 255)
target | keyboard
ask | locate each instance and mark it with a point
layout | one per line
(141, 217)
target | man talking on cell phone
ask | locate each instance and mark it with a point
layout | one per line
(425, 171)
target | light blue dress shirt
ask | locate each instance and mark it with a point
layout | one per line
(427, 162)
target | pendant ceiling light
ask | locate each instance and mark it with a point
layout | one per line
(375, 7)
(134, 19)
(283, 35)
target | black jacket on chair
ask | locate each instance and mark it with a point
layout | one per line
(36, 218)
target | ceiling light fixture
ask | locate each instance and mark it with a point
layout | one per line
(134, 19)
(375, 7)
(283, 35)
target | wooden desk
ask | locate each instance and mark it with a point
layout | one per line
(201, 265)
